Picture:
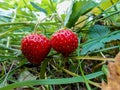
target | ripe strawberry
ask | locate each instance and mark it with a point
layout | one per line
(64, 41)
(35, 47)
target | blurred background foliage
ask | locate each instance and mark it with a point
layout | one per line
(96, 22)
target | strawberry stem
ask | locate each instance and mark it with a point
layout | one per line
(37, 24)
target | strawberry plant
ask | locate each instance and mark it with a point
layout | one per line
(57, 44)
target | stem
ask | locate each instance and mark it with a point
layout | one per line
(115, 7)
(86, 81)
(69, 72)
(98, 16)
(95, 84)
(117, 12)
(93, 58)
(35, 28)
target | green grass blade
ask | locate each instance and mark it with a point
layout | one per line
(43, 68)
(52, 81)
(85, 79)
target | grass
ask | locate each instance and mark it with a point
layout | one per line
(77, 71)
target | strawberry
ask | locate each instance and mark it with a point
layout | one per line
(64, 41)
(35, 47)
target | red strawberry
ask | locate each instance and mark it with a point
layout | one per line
(64, 41)
(35, 47)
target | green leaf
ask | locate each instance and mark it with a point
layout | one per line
(78, 9)
(38, 7)
(91, 45)
(97, 31)
(43, 68)
(99, 42)
(52, 81)
(4, 4)
(26, 75)
(21, 3)
(46, 5)
(113, 36)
